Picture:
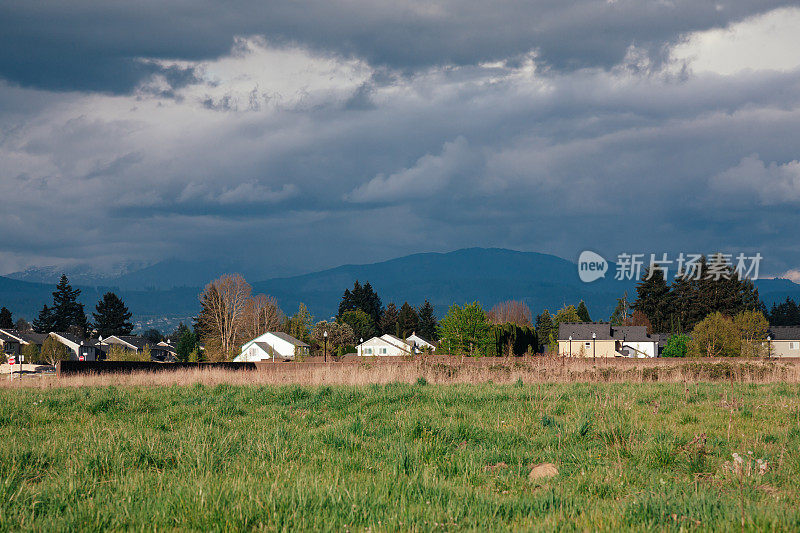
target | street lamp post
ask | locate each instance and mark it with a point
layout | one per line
(325, 346)
(594, 352)
(769, 346)
(570, 345)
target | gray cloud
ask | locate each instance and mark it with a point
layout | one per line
(318, 159)
(100, 46)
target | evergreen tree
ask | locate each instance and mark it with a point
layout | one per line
(67, 312)
(654, 299)
(46, 322)
(6, 320)
(544, 330)
(427, 322)
(348, 302)
(583, 312)
(153, 336)
(682, 316)
(408, 320)
(786, 313)
(389, 320)
(566, 314)
(112, 317)
(362, 297)
(186, 343)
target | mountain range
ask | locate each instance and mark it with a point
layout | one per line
(166, 293)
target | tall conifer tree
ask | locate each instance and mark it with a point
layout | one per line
(67, 312)
(427, 322)
(112, 317)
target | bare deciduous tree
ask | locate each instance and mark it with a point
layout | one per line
(261, 314)
(511, 311)
(224, 301)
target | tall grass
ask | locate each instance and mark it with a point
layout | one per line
(217, 456)
(451, 371)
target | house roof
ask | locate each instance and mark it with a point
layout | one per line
(400, 343)
(785, 333)
(631, 333)
(392, 341)
(7, 335)
(416, 338)
(133, 340)
(288, 338)
(266, 347)
(74, 339)
(33, 338)
(582, 331)
(25, 338)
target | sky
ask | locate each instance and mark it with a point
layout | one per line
(295, 136)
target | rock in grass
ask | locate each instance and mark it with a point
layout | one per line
(543, 471)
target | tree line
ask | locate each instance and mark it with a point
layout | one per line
(703, 305)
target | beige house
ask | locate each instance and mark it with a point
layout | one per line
(784, 341)
(601, 339)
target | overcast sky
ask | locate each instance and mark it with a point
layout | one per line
(302, 135)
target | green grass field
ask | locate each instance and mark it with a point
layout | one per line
(399, 457)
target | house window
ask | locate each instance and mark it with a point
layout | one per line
(252, 351)
(794, 345)
(383, 351)
(367, 351)
(588, 345)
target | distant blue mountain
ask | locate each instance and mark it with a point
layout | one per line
(487, 275)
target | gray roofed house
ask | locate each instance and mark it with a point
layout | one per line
(601, 339)
(784, 341)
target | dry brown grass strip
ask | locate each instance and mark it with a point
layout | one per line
(449, 371)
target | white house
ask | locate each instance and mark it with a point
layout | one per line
(270, 345)
(419, 343)
(89, 349)
(385, 345)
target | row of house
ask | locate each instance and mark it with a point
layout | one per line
(276, 345)
(575, 339)
(602, 339)
(389, 345)
(84, 349)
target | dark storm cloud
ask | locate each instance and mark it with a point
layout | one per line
(355, 144)
(98, 46)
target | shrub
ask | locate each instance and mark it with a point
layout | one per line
(715, 336)
(677, 346)
(118, 353)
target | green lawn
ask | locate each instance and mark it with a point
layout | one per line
(398, 457)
